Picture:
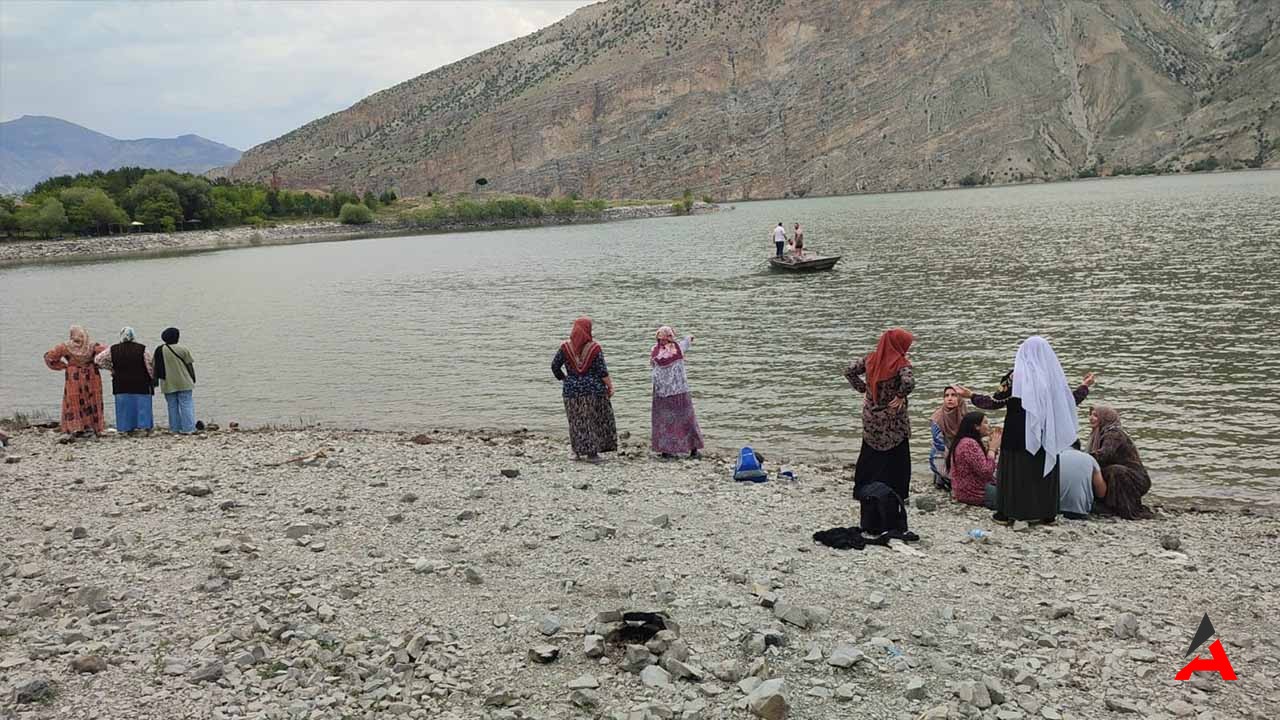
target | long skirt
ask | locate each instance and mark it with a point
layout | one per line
(675, 426)
(182, 411)
(133, 412)
(82, 400)
(1023, 491)
(891, 467)
(1125, 488)
(592, 429)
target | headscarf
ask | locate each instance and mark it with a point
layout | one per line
(888, 358)
(1108, 421)
(79, 346)
(127, 334)
(667, 349)
(949, 420)
(1041, 384)
(580, 350)
(170, 335)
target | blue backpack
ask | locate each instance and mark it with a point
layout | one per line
(749, 467)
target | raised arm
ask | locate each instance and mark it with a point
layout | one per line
(853, 373)
(55, 359)
(686, 343)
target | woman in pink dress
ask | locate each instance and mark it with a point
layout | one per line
(675, 426)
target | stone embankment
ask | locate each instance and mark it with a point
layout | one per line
(143, 244)
(331, 575)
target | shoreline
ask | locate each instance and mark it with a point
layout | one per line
(834, 465)
(16, 253)
(381, 576)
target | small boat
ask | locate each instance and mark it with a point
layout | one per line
(814, 264)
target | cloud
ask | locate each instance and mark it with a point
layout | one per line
(237, 72)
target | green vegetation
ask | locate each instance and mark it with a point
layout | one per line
(973, 179)
(110, 201)
(1208, 164)
(355, 214)
(684, 205)
(1089, 172)
(505, 208)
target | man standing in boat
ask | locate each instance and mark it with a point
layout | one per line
(799, 240)
(779, 238)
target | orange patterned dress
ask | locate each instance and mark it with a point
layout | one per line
(82, 393)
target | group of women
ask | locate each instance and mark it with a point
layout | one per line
(135, 373)
(1015, 469)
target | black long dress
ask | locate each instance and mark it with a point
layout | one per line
(1023, 490)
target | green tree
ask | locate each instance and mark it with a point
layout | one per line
(156, 204)
(48, 220)
(91, 210)
(8, 216)
(387, 197)
(355, 214)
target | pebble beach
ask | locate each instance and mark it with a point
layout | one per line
(331, 575)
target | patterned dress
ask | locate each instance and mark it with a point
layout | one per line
(82, 390)
(885, 455)
(1127, 478)
(675, 428)
(592, 428)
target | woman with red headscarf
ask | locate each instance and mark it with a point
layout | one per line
(579, 366)
(885, 456)
(82, 388)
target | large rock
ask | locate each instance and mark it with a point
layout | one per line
(636, 658)
(34, 690)
(845, 656)
(88, 664)
(210, 672)
(767, 700)
(654, 677)
(1126, 626)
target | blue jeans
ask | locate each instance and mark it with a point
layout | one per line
(779, 246)
(133, 412)
(182, 411)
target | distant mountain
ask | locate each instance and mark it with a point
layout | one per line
(770, 98)
(34, 147)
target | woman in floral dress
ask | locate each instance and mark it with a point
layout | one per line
(587, 387)
(82, 389)
(675, 426)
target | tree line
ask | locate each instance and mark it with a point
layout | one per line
(110, 201)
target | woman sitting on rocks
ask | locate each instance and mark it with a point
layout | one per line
(1126, 478)
(971, 464)
(943, 426)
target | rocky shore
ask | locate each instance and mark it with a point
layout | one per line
(332, 575)
(144, 244)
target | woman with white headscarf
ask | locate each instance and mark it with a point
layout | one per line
(1040, 422)
(674, 423)
(132, 373)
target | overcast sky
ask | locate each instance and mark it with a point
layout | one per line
(236, 72)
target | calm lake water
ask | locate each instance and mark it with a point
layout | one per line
(1168, 288)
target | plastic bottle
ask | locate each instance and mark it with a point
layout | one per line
(979, 534)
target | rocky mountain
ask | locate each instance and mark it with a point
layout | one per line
(774, 98)
(34, 147)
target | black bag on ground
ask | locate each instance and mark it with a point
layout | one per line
(882, 509)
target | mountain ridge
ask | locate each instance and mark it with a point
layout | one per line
(744, 99)
(37, 147)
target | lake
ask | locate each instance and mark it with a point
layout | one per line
(1167, 287)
